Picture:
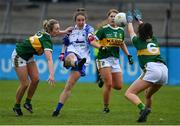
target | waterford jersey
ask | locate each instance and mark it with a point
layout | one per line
(34, 45)
(78, 42)
(112, 38)
(147, 51)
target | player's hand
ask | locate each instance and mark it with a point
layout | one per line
(137, 15)
(130, 59)
(103, 49)
(61, 57)
(129, 17)
(51, 80)
(91, 38)
(69, 29)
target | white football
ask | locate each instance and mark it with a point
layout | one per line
(120, 19)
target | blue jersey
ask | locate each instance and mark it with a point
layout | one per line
(77, 42)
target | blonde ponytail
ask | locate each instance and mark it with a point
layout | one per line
(49, 24)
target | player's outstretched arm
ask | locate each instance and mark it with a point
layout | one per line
(48, 55)
(138, 16)
(66, 31)
(129, 18)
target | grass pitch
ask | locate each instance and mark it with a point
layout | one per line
(84, 107)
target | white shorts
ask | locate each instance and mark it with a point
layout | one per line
(17, 61)
(156, 73)
(111, 62)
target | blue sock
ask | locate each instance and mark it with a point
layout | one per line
(59, 106)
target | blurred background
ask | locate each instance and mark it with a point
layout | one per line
(22, 18)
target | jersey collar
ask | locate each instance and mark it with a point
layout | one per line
(76, 27)
(112, 27)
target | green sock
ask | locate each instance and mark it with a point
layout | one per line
(17, 106)
(28, 100)
(141, 106)
(106, 105)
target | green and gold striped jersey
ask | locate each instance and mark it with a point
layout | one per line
(147, 51)
(34, 45)
(112, 38)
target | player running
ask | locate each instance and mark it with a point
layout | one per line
(112, 37)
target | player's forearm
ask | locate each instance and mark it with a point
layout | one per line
(130, 29)
(48, 55)
(95, 44)
(50, 67)
(125, 50)
(140, 22)
(66, 31)
(63, 48)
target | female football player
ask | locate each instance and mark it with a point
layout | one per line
(76, 54)
(155, 72)
(25, 66)
(112, 37)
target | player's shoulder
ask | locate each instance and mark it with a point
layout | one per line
(44, 36)
(121, 28)
(89, 28)
(105, 26)
(102, 28)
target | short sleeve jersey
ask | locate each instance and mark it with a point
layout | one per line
(147, 51)
(34, 45)
(112, 38)
(78, 42)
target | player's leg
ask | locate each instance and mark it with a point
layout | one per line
(99, 79)
(131, 94)
(24, 82)
(157, 74)
(71, 60)
(117, 79)
(74, 76)
(107, 78)
(149, 93)
(34, 77)
(148, 97)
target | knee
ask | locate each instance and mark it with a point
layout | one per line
(25, 84)
(127, 94)
(35, 80)
(108, 86)
(118, 87)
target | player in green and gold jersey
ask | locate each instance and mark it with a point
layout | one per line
(155, 72)
(25, 66)
(112, 37)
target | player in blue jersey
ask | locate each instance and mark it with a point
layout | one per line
(76, 54)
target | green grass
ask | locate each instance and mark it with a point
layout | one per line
(85, 106)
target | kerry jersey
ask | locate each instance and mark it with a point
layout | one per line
(34, 45)
(147, 51)
(112, 38)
